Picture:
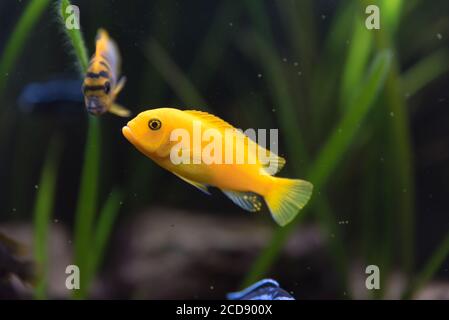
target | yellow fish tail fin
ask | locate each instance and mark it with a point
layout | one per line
(287, 197)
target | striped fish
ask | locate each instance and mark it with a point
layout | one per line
(102, 84)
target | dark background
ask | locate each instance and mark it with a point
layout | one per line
(207, 41)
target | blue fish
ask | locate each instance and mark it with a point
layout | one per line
(266, 289)
(57, 96)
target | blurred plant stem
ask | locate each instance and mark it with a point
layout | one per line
(8, 58)
(429, 270)
(399, 143)
(213, 47)
(297, 154)
(76, 38)
(43, 210)
(88, 190)
(174, 76)
(87, 247)
(16, 41)
(107, 217)
(329, 157)
(87, 203)
(425, 71)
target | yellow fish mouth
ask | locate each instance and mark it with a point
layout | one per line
(126, 131)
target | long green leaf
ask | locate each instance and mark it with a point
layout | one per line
(432, 266)
(253, 44)
(43, 209)
(214, 45)
(76, 38)
(391, 11)
(182, 86)
(425, 71)
(297, 153)
(108, 215)
(356, 61)
(11, 53)
(329, 157)
(345, 131)
(16, 41)
(399, 145)
(87, 203)
(88, 190)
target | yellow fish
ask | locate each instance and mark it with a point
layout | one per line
(102, 84)
(156, 134)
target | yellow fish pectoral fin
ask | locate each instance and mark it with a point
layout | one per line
(198, 185)
(248, 201)
(119, 110)
(119, 86)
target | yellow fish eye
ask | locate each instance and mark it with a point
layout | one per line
(154, 124)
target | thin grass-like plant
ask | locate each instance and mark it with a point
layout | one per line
(399, 147)
(297, 153)
(330, 155)
(85, 215)
(11, 53)
(432, 266)
(425, 71)
(174, 76)
(18, 37)
(88, 190)
(43, 210)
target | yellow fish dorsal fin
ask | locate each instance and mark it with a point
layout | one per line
(210, 118)
(274, 160)
(198, 185)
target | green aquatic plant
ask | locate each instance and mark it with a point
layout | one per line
(43, 210)
(431, 267)
(12, 50)
(383, 89)
(171, 73)
(308, 103)
(89, 237)
(329, 157)
(349, 89)
(297, 153)
(18, 38)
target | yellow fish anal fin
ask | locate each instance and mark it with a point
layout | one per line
(119, 110)
(210, 118)
(248, 201)
(198, 185)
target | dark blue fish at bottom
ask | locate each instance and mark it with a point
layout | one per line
(266, 289)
